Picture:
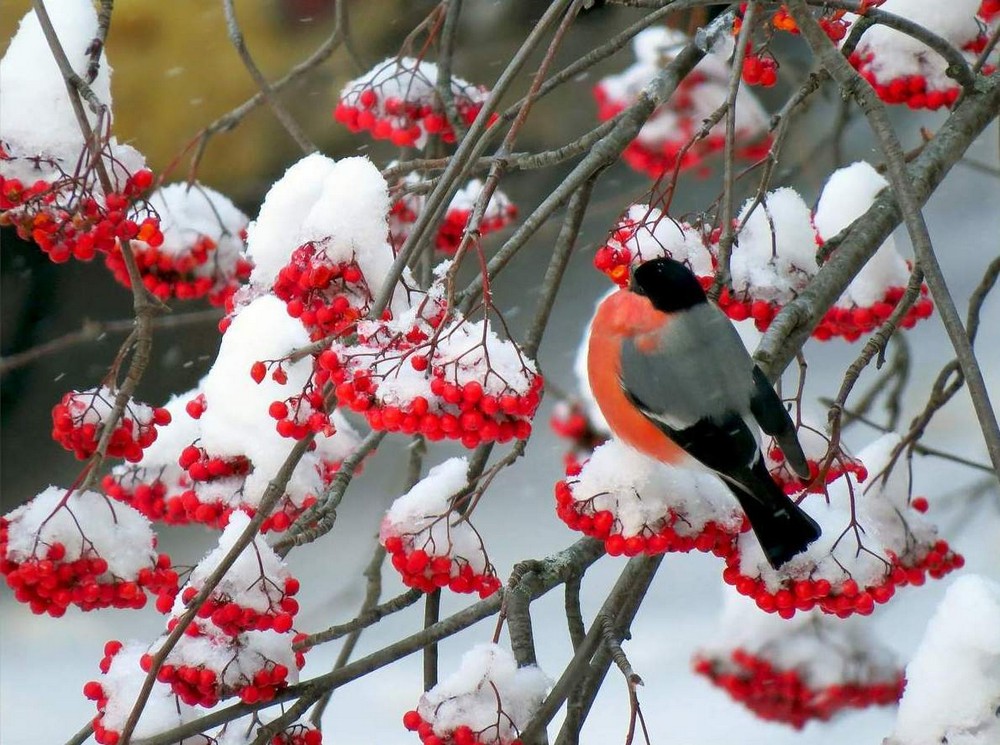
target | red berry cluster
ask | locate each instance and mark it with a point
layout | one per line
(190, 505)
(781, 695)
(989, 9)
(402, 122)
(571, 423)
(186, 275)
(759, 69)
(231, 618)
(452, 228)
(203, 686)
(78, 418)
(301, 415)
(455, 411)
(94, 691)
(50, 581)
(845, 598)
(602, 524)
(461, 735)
(680, 151)
(427, 573)
(614, 261)
(327, 296)
(851, 323)
(93, 225)
(201, 466)
(298, 734)
(153, 496)
(790, 482)
(911, 90)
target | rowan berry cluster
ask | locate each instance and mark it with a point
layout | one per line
(428, 572)
(231, 617)
(327, 296)
(461, 735)
(675, 138)
(791, 483)
(80, 227)
(299, 734)
(759, 69)
(851, 323)
(487, 701)
(663, 509)
(845, 597)
(78, 420)
(786, 695)
(432, 390)
(398, 101)
(58, 550)
(570, 422)
(911, 90)
(659, 537)
(500, 211)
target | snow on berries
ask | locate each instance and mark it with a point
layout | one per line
(79, 548)
(202, 251)
(904, 70)
(487, 701)
(209, 666)
(117, 690)
(824, 467)
(645, 233)
(246, 730)
(320, 243)
(446, 379)
(953, 680)
(431, 542)
(499, 212)
(397, 100)
(874, 541)
(669, 139)
(49, 188)
(875, 291)
(156, 483)
(256, 593)
(773, 258)
(637, 505)
(793, 671)
(79, 418)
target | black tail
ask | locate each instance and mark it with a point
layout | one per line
(781, 526)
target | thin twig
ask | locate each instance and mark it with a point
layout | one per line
(280, 112)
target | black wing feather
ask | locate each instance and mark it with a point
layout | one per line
(772, 416)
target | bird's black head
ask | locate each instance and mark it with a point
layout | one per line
(669, 285)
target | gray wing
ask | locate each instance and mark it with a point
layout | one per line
(702, 370)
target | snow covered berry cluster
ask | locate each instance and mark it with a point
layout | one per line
(500, 211)
(397, 100)
(636, 505)
(673, 137)
(904, 70)
(775, 255)
(68, 547)
(200, 250)
(71, 202)
(487, 701)
(431, 542)
(458, 381)
(875, 540)
(79, 418)
(809, 668)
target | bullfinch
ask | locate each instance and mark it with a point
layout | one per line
(674, 381)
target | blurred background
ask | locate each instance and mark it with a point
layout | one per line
(174, 72)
